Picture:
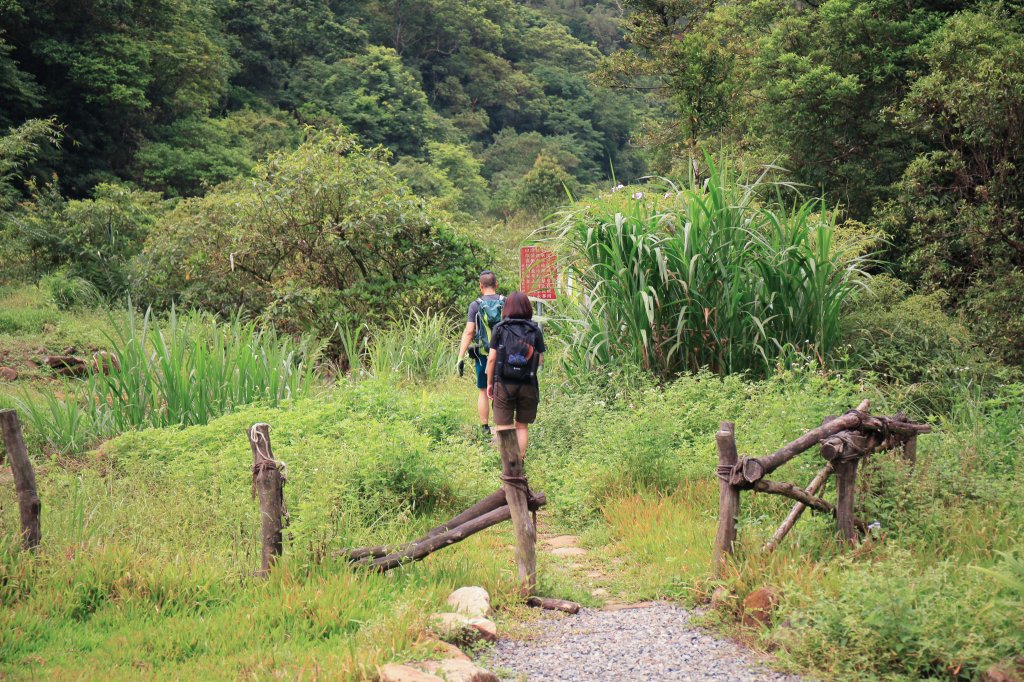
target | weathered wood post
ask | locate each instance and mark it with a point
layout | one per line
(24, 480)
(910, 450)
(514, 482)
(728, 496)
(846, 482)
(268, 483)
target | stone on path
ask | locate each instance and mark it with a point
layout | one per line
(560, 541)
(471, 601)
(458, 627)
(568, 551)
(458, 671)
(393, 672)
(8, 374)
(447, 650)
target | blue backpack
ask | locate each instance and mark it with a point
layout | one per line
(488, 315)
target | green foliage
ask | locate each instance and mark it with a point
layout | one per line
(545, 187)
(93, 239)
(188, 156)
(67, 291)
(452, 175)
(110, 73)
(913, 345)
(957, 212)
(420, 346)
(709, 276)
(373, 94)
(323, 234)
(179, 373)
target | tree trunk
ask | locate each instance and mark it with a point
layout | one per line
(419, 550)
(756, 469)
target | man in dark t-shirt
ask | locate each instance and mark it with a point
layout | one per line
(476, 338)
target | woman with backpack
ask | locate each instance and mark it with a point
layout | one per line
(517, 345)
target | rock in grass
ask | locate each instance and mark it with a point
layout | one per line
(446, 650)
(393, 672)
(1005, 671)
(471, 601)
(458, 627)
(758, 607)
(458, 671)
(721, 597)
(8, 374)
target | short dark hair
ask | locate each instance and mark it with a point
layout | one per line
(517, 305)
(488, 279)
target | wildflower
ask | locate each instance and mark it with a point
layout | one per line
(668, 195)
(616, 188)
(638, 195)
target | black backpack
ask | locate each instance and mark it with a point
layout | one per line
(517, 353)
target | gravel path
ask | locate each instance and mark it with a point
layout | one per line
(653, 643)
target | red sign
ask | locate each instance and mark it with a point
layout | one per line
(538, 272)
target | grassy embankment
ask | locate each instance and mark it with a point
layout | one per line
(150, 540)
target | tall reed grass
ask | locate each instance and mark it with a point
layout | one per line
(420, 346)
(713, 274)
(181, 371)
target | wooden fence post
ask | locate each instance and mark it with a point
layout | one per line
(268, 482)
(910, 450)
(514, 481)
(728, 496)
(24, 480)
(846, 483)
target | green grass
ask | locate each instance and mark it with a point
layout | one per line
(150, 541)
(174, 372)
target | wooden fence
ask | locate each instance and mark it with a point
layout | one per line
(843, 441)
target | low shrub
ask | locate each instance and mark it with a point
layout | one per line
(67, 291)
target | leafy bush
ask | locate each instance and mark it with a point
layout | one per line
(326, 233)
(94, 239)
(706, 277)
(911, 343)
(67, 291)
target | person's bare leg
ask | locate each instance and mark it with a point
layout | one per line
(523, 436)
(483, 407)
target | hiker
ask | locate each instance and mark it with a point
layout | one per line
(517, 345)
(484, 315)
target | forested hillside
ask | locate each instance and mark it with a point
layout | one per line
(222, 213)
(177, 96)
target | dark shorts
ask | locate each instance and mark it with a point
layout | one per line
(515, 403)
(481, 373)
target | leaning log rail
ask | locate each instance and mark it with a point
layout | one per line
(843, 441)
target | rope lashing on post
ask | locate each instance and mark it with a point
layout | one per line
(520, 483)
(265, 462)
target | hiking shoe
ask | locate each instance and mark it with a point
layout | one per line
(485, 431)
